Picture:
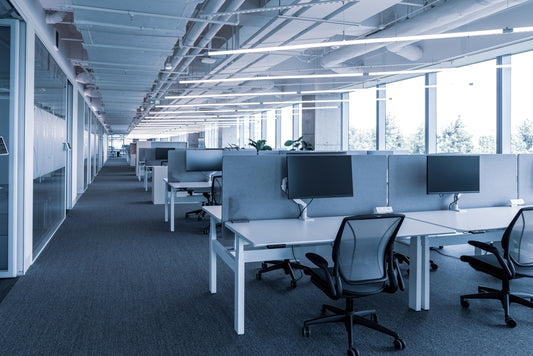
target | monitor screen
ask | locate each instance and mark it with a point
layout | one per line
(452, 174)
(316, 176)
(203, 160)
(162, 152)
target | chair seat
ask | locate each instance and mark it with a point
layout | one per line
(319, 278)
(489, 264)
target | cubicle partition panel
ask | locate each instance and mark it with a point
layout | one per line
(169, 144)
(369, 189)
(149, 155)
(497, 183)
(525, 178)
(407, 185)
(177, 171)
(252, 188)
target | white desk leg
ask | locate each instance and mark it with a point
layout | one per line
(212, 255)
(415, 273)
(172, 195)
(145, 179)
(166, 202)
(425, 272)
(239, 286)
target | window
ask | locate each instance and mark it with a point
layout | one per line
(521, 109)
(362, 117)
(405, 117)
(466, 109)
(286, 125)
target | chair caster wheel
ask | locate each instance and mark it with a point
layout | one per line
(352, 351)
(464, 303)
(374, 317)
(434, 266)
(305, 331)
(258, 276)
(293, 284)
(399, 344)
(263, 265)
(510, 322)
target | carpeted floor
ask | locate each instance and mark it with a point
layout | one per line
(115, 281)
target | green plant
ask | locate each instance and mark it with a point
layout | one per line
(232, 146)
(299, 145)
(260, 145)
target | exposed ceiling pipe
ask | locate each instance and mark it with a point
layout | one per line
(448, 16)
(53, 18)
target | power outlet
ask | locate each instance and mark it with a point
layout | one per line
(383, 209)
(516, 202)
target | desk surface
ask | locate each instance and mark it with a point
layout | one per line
(188, 185)
(214, 211)
(260, 233)
(493, 218)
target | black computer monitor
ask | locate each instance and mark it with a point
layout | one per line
(203, 160)
(456, 174)
(319, 176)
(162, 152)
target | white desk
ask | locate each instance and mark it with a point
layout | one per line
(183, 192)
(293, 238)
(487, 224)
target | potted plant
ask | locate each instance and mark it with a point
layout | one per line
(260, 145)
(299, 145)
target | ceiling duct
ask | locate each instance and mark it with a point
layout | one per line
(56, 17)
(84, 78)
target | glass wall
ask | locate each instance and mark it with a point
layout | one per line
(271, 128)
(521, 108)
(286, 125)
(5, 79)
(362, 119)
(50, 133)
(405, 116)
(466, 109)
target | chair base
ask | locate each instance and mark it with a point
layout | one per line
(350, 317)
(505, 296)
(287, 265)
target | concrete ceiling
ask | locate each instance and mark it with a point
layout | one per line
(132, 54)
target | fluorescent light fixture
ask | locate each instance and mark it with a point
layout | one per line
(204, 105)
(413, 38)
(273, 77)
(319, 107)
(228, 95)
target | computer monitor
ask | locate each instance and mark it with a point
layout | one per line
(447, 174)
(203, 160)
(162, 152)
(319, 176)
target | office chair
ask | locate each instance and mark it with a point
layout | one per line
(364, 264)
(215, 197)
(516, 262)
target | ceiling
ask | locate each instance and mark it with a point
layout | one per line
(131, 55)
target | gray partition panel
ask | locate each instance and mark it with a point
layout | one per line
(177, 171)
(525, 177)
(498, 182)
(252, 188)
(169, 144)
(407, 185)
(370, 189)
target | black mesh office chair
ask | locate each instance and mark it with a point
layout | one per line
(364, 264)
(216, 190)
(516, 262)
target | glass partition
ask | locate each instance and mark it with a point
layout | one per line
(50, 134)
(521, 109)
(362, 117)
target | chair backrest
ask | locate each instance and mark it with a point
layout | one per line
(517, 241)
(362, 250)
(216, 190)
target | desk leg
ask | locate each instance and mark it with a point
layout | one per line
(239, 286)
(212, 255)
(425, 272)
(172, 195)
(145, 179)
(166, 202)
(415, 273)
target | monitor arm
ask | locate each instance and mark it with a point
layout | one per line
(454, 205)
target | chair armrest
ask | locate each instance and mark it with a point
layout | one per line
(321, 262)
(491, 249)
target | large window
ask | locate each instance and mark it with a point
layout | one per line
(521, 108)
(271, 128)
(362, 117)
(405, 120)
(466, 109)
(286, 125)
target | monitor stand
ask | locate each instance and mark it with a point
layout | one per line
(303, 215)
(454, 205)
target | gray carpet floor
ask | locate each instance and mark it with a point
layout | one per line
(115, 281)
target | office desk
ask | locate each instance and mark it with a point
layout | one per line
(292, 238)
(183, 192)
(482, 224)
(159, 187)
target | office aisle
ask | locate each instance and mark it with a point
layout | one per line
(115, 281)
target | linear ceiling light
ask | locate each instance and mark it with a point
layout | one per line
(274, 77)
(229, 95)
(413, 38)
